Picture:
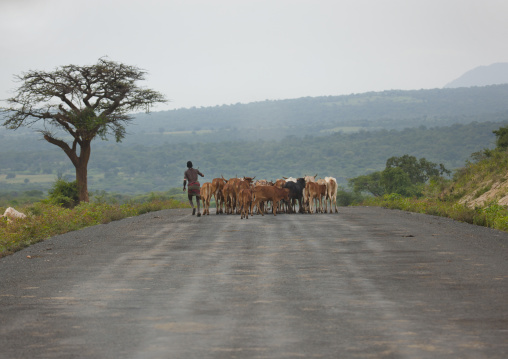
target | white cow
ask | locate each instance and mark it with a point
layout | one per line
(290, 179)
(310, 178)
(10, 213)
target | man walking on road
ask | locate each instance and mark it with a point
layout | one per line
(191, 175)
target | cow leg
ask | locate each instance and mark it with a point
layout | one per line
(259, 206)
(252, 206)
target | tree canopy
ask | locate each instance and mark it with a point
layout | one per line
(501, 137)
(402, 175)
(81, 101)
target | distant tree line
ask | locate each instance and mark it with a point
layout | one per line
(137, 168)
(406, 175)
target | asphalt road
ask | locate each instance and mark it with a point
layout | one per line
(364, 283)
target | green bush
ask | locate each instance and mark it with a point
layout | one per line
(496, 216)
(64, 193)
(348, 198)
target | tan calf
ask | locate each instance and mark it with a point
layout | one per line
(314, 192)
(206, 196)
(331, 195)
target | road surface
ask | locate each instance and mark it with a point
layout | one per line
(364, 283)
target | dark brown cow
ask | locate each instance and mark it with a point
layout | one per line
(269, 193)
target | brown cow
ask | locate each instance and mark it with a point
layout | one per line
(228, 188)
(230, 195)
(280, 183)
(284, 208)
(269, 193)
(206, 196)
(218, 192)
(243, 183)
(245, 200)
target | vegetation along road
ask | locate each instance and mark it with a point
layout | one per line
(364, 283)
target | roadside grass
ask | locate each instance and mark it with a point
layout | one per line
(46, 220)
(492, 215)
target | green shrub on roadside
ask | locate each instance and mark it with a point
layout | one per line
(64, 193)
(496, 216)
(348, 198)
(45, 220)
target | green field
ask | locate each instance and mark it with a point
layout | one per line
(21, 178)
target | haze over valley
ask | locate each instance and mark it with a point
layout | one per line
(339, 136)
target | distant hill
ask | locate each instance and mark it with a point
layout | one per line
(338, 136)
(302, 117)
(494, 74)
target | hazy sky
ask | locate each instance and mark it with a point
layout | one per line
(214, 52)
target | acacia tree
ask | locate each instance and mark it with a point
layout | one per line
(81, 101)
(401, 175)
(419, 171)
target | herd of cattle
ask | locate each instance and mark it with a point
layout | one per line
(242, 195)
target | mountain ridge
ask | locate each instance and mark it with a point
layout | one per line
(494, 74)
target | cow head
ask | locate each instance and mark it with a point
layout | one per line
(310, 178)
(249, 179)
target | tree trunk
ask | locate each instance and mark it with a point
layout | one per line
(80, 162)
(82, 181)
(82, 171)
